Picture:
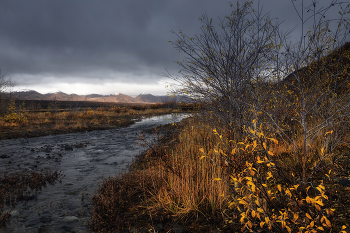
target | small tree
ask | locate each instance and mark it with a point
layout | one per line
(221, 65)
(251, 70)
(5, 85)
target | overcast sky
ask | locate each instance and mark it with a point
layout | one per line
(104, 47)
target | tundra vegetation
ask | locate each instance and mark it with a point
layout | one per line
(30, 119)
(5, 86)
(269, 150)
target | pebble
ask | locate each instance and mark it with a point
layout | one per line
(14, 213)
(70, 218)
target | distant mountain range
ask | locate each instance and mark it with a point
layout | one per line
(120, 98)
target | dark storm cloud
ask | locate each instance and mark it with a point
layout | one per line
(78, 37)
(92, 40)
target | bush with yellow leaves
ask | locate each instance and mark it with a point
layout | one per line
(15, 116)
(88, 113)
(267, 195)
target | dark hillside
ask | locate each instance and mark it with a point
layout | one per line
(329, 73)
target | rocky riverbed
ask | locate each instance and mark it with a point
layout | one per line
(84, 159)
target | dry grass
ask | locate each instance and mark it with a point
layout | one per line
(18, 186)
(174, 183)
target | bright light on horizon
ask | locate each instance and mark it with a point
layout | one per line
(131, 89)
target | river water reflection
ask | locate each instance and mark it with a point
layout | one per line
(84, 159)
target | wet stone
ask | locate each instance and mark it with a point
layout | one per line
(14, 213)
(70, 218)
(67, 147)
(45, 217)
(4, 156)
(32, 222)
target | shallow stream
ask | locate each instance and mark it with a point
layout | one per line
(84, 159)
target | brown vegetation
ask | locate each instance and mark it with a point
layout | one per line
(190, 178)
(19, 122)
(18, 187)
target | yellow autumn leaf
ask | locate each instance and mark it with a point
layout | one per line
(264, 145)
(254, 144)
(329, 132)
(319, 202)
(308, 199)
(312, 224)
(252, 185)
(308, 216)
(279, 187)
(253, 213)
(262, 224)
(249, 224)
(328, 223)
(288, 229)
(288, 192)
(295, 217)
(217, 179)
(242, 202)
(269, 175)
(242, 218)
(267, 220)
(259, 160)
(202, 157)
(318, 207)
(231, 204)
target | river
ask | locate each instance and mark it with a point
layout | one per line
(84, 158)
